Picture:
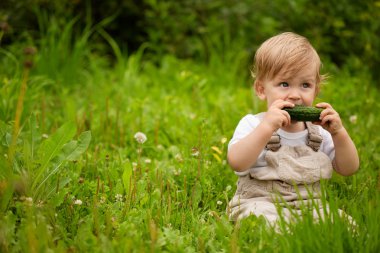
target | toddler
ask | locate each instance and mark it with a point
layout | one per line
(279, 160)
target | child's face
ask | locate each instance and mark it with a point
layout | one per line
(299, 89)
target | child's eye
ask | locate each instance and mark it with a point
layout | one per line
(305, 85)
(284, 84)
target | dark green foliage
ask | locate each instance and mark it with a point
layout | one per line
(344, 32)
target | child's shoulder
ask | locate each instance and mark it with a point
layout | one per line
(248, 122)
(252, 119)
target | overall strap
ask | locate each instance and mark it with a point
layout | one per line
(274, 142)
(314, 139)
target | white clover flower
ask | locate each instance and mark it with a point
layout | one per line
(134, 166)
(45, 136)
(353, 119)
(219, 202)
(78, 202)
(140, 137)
(177, 172)
(178, 157)
(223, 140)
(148, 161)
(194, 152)
(102, 200)
(119, 197)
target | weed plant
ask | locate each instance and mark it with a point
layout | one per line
(79, 179)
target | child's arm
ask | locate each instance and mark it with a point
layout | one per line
(244, 153)
(346, 160)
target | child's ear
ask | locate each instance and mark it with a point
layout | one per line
(259, 89)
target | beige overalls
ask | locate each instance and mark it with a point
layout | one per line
(291, 179)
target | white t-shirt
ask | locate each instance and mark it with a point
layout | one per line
(250, 122)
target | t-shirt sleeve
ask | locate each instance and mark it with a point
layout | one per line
(245, 126)
(327, 146)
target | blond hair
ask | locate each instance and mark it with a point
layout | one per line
(288, 52)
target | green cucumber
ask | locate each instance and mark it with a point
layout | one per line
(304, 113)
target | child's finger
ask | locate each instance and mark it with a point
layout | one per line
(327, 119)
(328, 111)
(323, 105)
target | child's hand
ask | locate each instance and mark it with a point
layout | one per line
(330, 119)
(275, 117)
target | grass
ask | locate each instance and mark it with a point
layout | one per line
(61, 192)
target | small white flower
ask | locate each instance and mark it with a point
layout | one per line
(178, 157)
(353, 119)
(102, 200)
(177, 172)
(195, 152)
(192, 116)
(78, 202)
(223, 140)
(219, 202)
(119, 197)
(134, 166)
(140, 137)
(45, 136)
(228, 188)
(148, 161)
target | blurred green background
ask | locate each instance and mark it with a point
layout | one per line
(344, 32)
(79, 78)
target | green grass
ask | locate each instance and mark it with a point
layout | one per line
(170, 193)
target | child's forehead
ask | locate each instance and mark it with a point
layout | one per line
(305, 72)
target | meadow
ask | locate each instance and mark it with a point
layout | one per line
(78, 175)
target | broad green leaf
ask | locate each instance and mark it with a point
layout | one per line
(59, 197)
(82, 145)
(127, 176)
(3, 128)
(83, 142)
(70, 152)
(52, 146)
(119, 189)
(35, 134)
(6, 184)
(67, 149)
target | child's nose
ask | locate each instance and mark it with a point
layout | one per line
(293, 94)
